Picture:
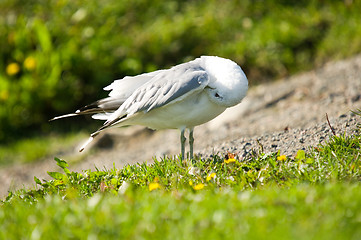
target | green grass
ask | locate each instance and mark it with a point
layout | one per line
(314, 195)
(327, 211)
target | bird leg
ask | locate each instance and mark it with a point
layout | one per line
(183, 140)
(191, 140)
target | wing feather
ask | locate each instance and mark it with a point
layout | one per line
(165, 87)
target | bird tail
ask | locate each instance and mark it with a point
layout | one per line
(100, 108)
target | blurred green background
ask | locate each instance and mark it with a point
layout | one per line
(57, 55)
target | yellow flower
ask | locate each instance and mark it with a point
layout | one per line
(190, 183)
(153, 186)
(30, 63)
(229, 160)
(281, 158)
(12, 69)
(198, 186)
(210, 176)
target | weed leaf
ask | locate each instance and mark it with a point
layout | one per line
(61, 163)
(56, 175)
(37, 180)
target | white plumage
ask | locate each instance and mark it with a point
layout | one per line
(181, 97)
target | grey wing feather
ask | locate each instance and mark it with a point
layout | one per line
(124, 88)
(196, 81)
(165, 87)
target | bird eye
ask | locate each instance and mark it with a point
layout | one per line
(217, 95)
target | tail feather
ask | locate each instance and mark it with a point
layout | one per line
(85, 144)
(108, 104)
(65, 116)
(101, 109)
(91, 138)
(103, 106)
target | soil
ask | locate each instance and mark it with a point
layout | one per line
(286, 115)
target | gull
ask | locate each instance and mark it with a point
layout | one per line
(182, 97)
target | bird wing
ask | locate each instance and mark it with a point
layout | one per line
(123, 88)
(165, 87)
(120, 91)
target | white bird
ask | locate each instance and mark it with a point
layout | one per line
(181, 97)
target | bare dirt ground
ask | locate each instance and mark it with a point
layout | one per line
(285, 115)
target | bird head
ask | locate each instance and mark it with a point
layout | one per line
(227, 82)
